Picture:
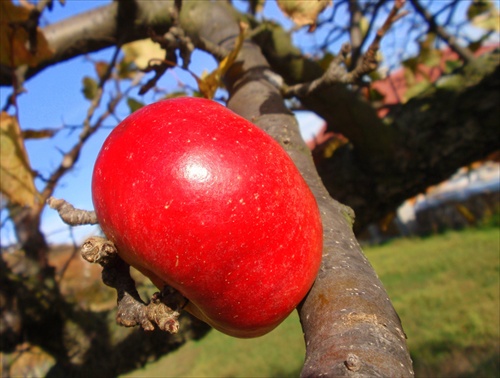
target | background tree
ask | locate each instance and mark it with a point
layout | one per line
(421, 140)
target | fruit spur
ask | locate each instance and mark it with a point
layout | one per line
(198, 198)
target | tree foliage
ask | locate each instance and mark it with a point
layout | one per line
(445, 118)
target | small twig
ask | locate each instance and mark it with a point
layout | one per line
(336, 73)
(159, 66)
(175, 39)
(132, 311)
(70, 215)
(464, 53)
(369, 60)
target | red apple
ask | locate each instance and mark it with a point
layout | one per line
(197, 197)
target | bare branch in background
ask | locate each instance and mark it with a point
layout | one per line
(464, 53)
(74, 253)
(71, 157)
(337, 72)
(369, 60)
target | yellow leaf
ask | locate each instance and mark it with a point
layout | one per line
(17, 182)
(304, 12)
(14, 39)
(489, 21)
(364, 24)
(208, 84)
(142, 51)
(90, 88)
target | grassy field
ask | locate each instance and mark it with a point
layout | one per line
(445, 289)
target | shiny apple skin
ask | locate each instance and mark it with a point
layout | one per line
(197, 197)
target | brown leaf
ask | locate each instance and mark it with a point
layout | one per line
(17, 182)
(101, 68)
(304, 12)
(14, 38)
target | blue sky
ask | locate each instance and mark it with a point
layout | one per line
(54, 99)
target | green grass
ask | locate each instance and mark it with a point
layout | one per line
(445, 289)
(277, 354)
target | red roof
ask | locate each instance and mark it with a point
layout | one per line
(395, 86)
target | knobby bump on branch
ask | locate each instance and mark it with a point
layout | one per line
(163, 309)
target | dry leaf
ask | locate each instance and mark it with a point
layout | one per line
(14, 45)
(209, 84)
(489, 21)
(142, 51)
(304, 12)
(17, 182)
(90, 88)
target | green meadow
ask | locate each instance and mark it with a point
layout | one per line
(445, 289)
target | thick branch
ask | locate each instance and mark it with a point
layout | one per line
(343, 110)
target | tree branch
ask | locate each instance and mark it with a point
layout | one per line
(71, 157)
(70, 215)
(131, 310)
(355, 33)
(464, 53)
